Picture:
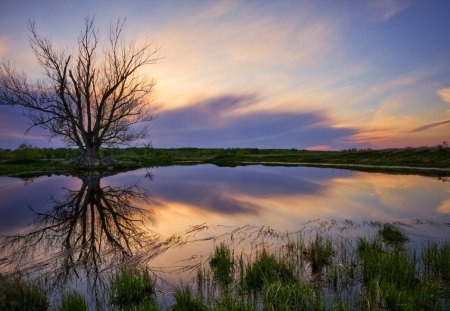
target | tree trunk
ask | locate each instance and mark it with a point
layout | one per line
(91, 157)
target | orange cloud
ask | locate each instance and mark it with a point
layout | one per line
(445, 95)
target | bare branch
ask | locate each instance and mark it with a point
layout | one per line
(90, 97)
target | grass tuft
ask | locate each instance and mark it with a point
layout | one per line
(73, 301)
(437, 261)
(18, 295)
(222, 264)
(267, 269)
(319, 253)
(132, 287)
(228, 302)
(392, 234)
(185, 300)
(291, 296)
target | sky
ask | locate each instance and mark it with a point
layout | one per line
(323, 75)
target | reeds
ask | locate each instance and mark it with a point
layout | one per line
(133, 288)
(374, 273)
(17, 294)
(73, 301)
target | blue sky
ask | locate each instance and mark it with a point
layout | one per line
(284, 74)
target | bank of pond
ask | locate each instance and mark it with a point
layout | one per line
(382, 272)
(28, 160)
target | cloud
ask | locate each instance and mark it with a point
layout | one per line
(218, 122)
(431, 125)
(14, 126)
(445, 95)
(386, 9)
(227, 191)
(398, 82)
(444, 208)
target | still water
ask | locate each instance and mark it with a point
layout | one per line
(80, 227)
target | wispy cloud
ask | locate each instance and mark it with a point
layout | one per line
(431, 125)
(444, 94)
(386, 9)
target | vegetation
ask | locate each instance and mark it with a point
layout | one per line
(222, 264)
(33, 161)
(90, 96)
(73, 301)
(374, 274)
(267, 269)
(185, 300)
(319, 253)
(133, 289)
(392, 235)
(19, 295)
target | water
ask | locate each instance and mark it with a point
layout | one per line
(75, 230)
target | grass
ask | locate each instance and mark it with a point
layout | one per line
(319, 253)
(132, 288)
(370, 274)
(222, 264)
(392, 235)
(73, 301)
(436, 259)
(291, 296)
(34, 161)
(265, 269)
(229, 302)
(18, 295)
(185, 300)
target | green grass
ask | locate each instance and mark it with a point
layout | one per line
(19, 295)
(392, 235)
(281, 296)
(229, 302)
(34, 161)
(319, 253)
(393, 280)
(185, 300)
(132, 288)
(368, 275)
(436, 259)
(73, 301)
(267, 268)
(222, 264)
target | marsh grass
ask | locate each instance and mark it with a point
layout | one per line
(73, 301)
(17, 294)
(222, 264)
(291, 296)
(231, 302)
(265, 269)
(319, 253)
(186, 300)
(132, 288)
(436, 259)
(392, 235)
(296, 274)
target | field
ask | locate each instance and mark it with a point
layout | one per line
(426, 160)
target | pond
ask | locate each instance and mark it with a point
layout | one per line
(76, 229)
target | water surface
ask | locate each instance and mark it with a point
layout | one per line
(78, 227)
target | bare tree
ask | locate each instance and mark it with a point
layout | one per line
(93, 96)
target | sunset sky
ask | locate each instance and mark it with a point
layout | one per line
(281, 74)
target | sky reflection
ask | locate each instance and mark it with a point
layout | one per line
(281, 197)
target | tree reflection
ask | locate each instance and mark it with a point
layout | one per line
(88, 230)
